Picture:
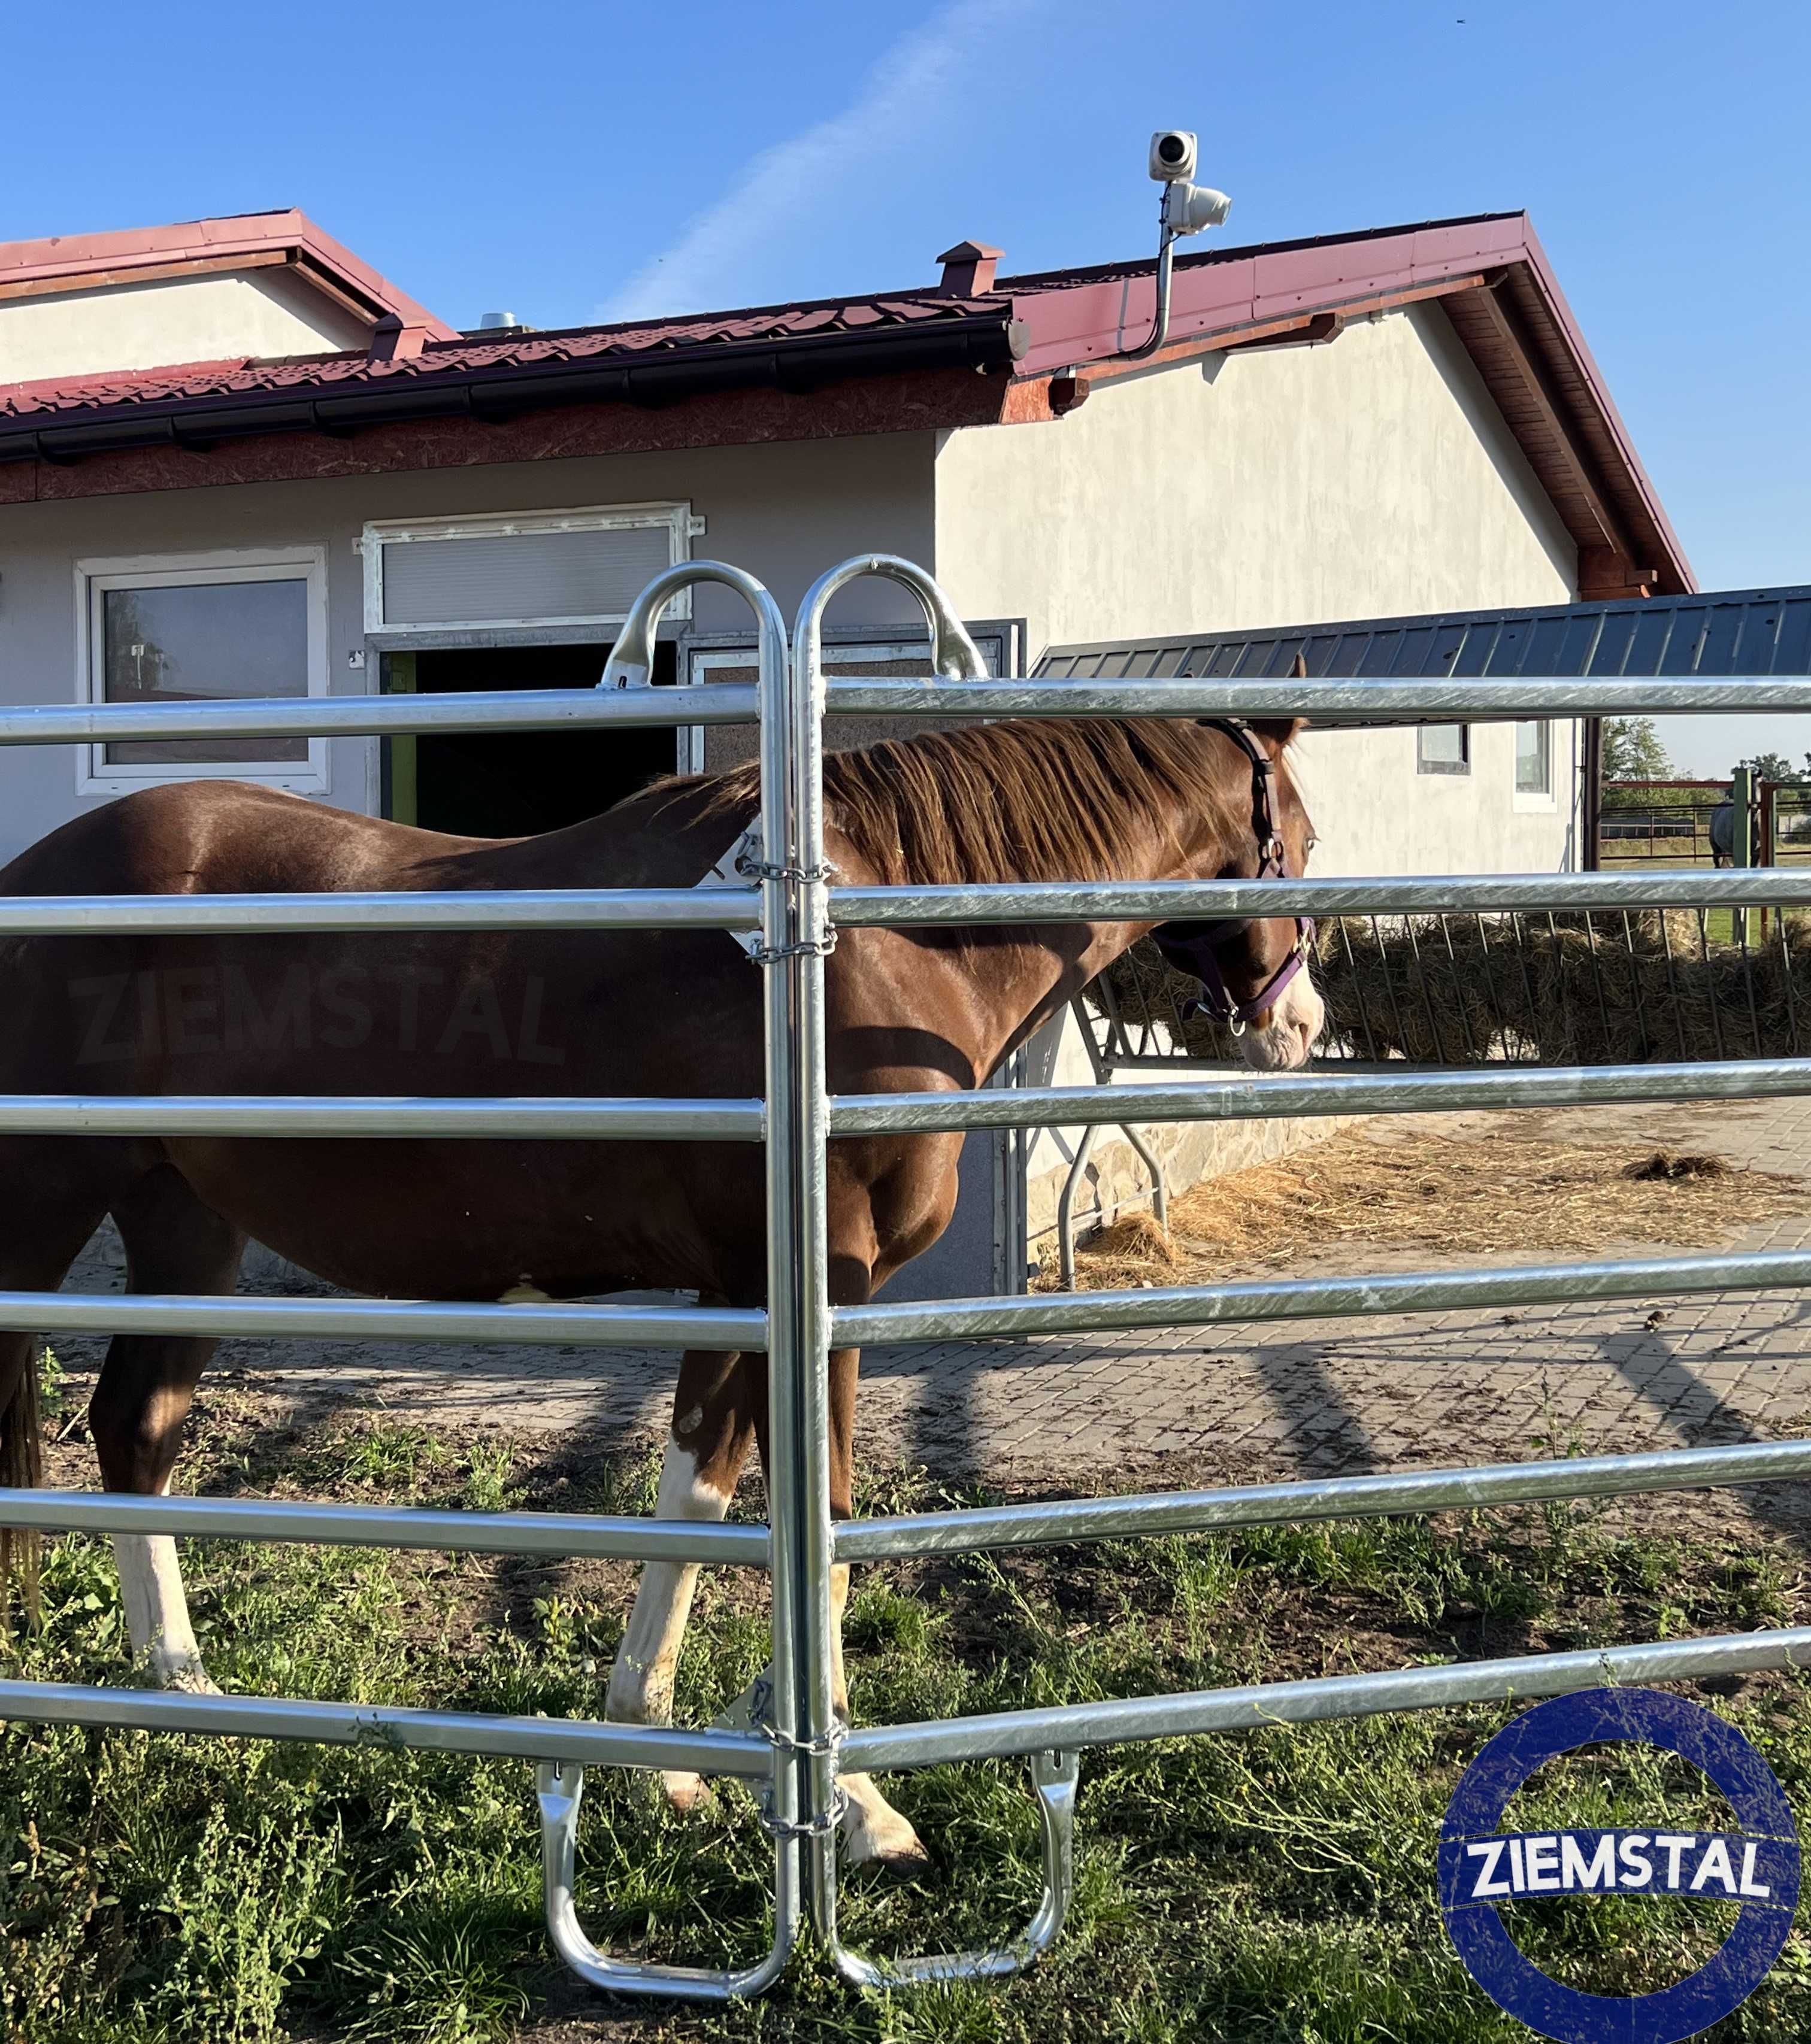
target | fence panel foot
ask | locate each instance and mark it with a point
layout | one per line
(1055, 1777)
(561, 1784)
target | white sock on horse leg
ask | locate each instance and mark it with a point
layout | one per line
(641, 1677)
(872, 1829)
(156, 1610)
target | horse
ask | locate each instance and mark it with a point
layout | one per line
(676, 1012)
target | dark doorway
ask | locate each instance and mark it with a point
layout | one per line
(516, 784)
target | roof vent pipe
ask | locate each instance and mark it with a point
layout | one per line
(488, 320)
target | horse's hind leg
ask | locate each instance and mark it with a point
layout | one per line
(173, 1243)
(714, 1424)
(48, 1211)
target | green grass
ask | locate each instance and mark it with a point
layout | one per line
(1270, 1886)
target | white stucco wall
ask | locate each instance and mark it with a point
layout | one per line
(785, 512)
(1372, 477)
(263, 312)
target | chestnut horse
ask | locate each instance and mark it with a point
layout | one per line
(606, 1013)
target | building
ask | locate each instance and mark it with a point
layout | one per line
(235, 460)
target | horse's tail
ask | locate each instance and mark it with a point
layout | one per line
(21, 1468)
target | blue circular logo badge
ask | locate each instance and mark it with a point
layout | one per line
(1482, 1867)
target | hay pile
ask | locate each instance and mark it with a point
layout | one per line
(1534, 988)
(1449, 1199)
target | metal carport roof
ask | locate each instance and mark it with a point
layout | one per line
(1735, 632)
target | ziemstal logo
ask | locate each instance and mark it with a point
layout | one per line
(1482, 1867)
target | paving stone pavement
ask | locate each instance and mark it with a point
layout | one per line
(1288, 1397)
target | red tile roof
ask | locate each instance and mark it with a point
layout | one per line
(61, 397)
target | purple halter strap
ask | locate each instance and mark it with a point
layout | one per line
(1191, 947)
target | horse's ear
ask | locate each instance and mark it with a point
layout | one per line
(1276, 733)
(1279, 732)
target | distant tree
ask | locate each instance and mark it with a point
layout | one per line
(1633, 751)
(1773, 767)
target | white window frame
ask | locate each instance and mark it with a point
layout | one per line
(1450, 770)
(1537, 801)
(95, 774)
(676, 517)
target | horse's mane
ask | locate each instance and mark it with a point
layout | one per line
(1020, 800)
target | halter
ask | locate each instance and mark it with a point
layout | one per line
(1190, 946)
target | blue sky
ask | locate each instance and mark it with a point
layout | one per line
(569, 163)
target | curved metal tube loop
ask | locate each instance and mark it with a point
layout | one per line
(1054, 1775)
(561, 1784)
(954, 657)
(631, 663)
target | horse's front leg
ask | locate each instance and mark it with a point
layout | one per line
(713, 1423)
(872, 1829)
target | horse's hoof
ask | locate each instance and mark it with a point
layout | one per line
(907, 1860)
(686, 1794)
(876, 1834)
(184, 1674)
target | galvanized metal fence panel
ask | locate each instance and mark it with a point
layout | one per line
(800, 1752)
(1053, 1737)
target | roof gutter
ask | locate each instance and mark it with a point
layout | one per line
(983, 342)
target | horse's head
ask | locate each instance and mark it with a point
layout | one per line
(1256, 975)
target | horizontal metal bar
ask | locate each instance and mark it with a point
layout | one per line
(564, 709)
(479, 908)
(1262, 1096)
(588, 1741)
(558, 1118)
(1065, 1519)
(1210, 901)
(1325, 701)
(567, 1535)
(1064, 1726)
(1313, 1298)
(728, 1327)
(361, 716)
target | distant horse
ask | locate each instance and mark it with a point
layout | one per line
(603, 1013)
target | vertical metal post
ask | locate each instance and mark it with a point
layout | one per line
(1742, 843)
(803, 1346)
(630, 665)
(798, 1256)
(1591, 796)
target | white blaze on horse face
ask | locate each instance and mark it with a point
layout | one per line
(157, 1612)
(641, 1678)
(1288, 1036)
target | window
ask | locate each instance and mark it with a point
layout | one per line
(848, 650)
(429, 581)
(1534, 758)
(202, 627)
(1443, 748)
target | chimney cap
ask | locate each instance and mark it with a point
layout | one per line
(394, 339)
(968, 269)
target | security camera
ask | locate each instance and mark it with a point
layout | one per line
(1187, 209)
(1172, 156)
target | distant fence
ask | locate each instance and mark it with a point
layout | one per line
(1667, 823)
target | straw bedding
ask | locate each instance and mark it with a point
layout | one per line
(1447, 1198)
